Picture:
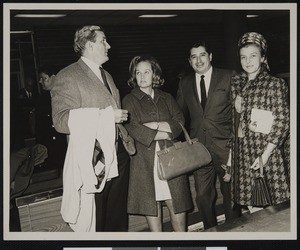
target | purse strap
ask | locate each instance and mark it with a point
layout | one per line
(186, 135)
(260, 162)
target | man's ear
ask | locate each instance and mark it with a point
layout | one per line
(210, 56)
(88, 45)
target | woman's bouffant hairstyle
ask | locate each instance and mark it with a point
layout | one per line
(157, 72)
(83, 35)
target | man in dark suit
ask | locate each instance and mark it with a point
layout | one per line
(85, 84)
(204, 97)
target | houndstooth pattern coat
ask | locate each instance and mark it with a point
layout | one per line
(268, 93)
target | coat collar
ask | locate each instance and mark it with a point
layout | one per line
(213, 82)
(88, 71)
(138, 93)
(245, 84)
(95, 79)
(92, 76)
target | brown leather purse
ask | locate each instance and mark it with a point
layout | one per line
(127, 140)
(182, 158)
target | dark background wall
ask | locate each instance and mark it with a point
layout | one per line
(169, 43)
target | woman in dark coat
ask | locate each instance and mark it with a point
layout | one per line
(154, 118)
(256, 91)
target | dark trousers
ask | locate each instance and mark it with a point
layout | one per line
(111, 203)
(205, 194)
(226, 192)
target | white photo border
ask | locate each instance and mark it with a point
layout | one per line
(138, 236)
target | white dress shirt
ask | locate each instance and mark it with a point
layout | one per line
(207, 78)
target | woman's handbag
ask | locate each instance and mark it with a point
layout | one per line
(260, 193)
(127, 140)
(182, 158)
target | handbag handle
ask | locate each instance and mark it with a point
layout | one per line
(261, 169)
(186, 135)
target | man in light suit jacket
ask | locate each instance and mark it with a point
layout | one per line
(82, 85)
(208, 105)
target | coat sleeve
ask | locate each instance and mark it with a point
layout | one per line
(65, 96)
(176, 117)
(135, 128)
(181, 101)
(279, 107)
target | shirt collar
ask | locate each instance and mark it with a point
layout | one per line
(90, 63)
(207, 74)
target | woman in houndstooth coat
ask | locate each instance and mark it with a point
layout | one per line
(255, 88)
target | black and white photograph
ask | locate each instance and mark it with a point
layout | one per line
(153, 122)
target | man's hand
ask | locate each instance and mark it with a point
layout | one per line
(227, 175)
(121, 115)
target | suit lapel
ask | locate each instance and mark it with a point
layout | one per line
(193, 87)
(92, 76)
(213, 84)
(99, 84)
(113, 88)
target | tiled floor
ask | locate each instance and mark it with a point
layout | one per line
(271, 219)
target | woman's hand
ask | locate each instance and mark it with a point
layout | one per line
(162, 136)
(152, 125)
(265, 156)
(238, 104)
(160, 126)
(253, 126)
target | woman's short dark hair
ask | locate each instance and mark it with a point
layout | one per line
(157, 81)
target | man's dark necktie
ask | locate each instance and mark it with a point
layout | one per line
(104, 79)
(100, 156)
(203, 92)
